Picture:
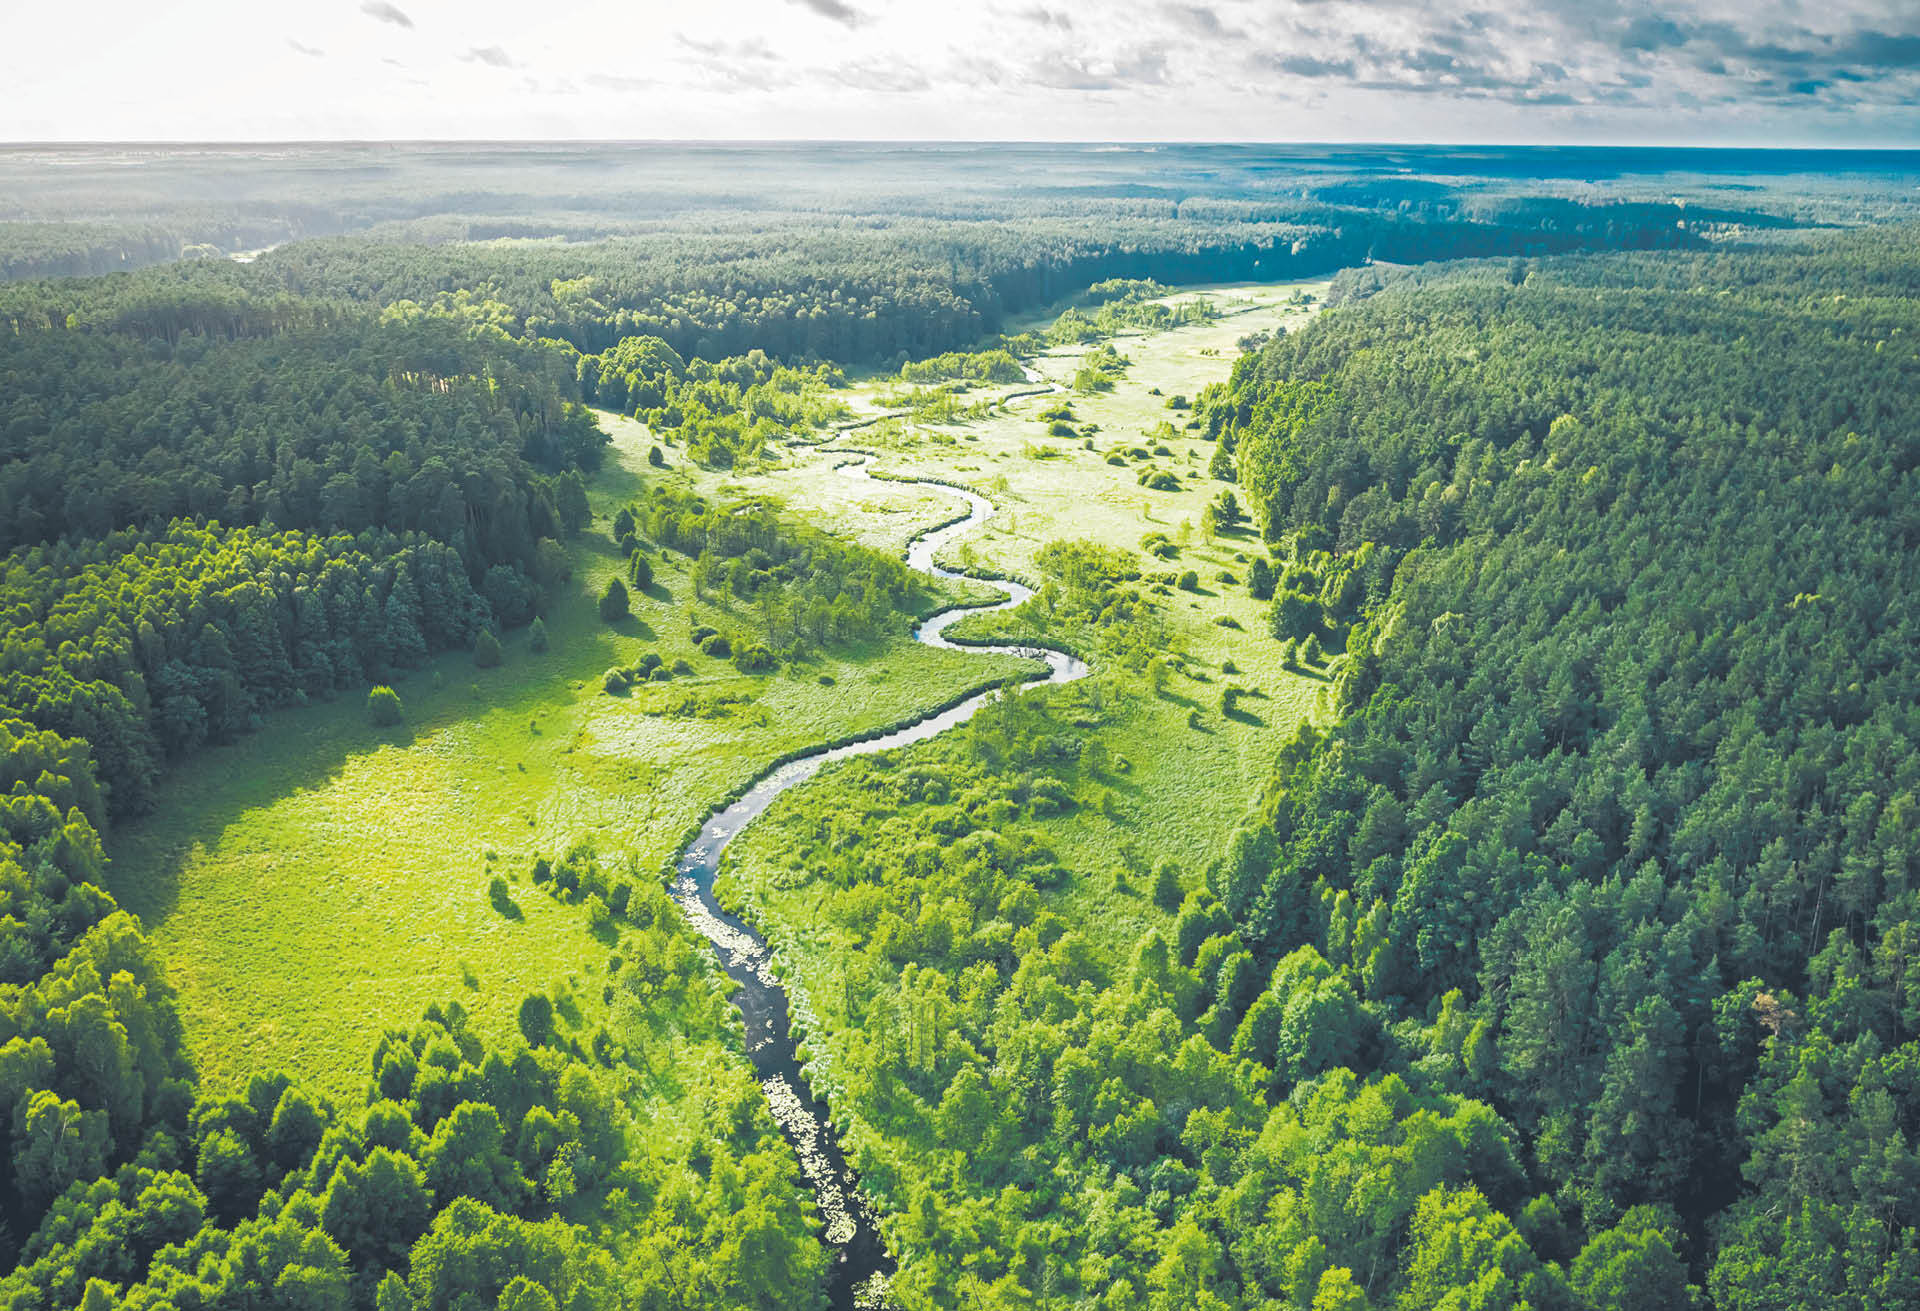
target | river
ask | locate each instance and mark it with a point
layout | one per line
(861, 1263)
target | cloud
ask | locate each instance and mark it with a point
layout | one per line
(1041, 16)
(1308, 66)
(1075, 72)
(386, 13)
(492, 56)
(884, 75)
(1201, 21)
(615, 82)
(835, 10)
(306, 50)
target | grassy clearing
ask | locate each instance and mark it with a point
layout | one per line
(319, 881)
(1191, 767)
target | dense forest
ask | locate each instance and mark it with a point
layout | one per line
(1615, 834)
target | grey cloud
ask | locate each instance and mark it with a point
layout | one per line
(306, 50)
(492, 56)
(1064, 72)
(1041, 16)
(1306, 66)
(386, 13)
(835, 10)
(1201, 21)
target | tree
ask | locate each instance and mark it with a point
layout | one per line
(486, 649)
(570, 498)
(640, 570)
(1294, 615)
(613, 601)
(536, 1020)
(467, 1158)
(1167, 890)
(1260, 579)
(537, 635)
(1226, 509)
(383, 707)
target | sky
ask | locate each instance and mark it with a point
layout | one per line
(1709, 72)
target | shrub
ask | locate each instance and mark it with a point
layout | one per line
(717, 646)
(501, 898)
(655, 458)
(384, 708)
(1190, 581)
(613, 601)
(681, 667)
(486, 649)
(536, 1020)
(1310, 649)
(753, 658)
(615, 682)
(537, 636)
(640, 570)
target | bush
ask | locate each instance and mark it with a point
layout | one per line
(537, 636)
(640, 570)
(655, 458)
(681, 667)
(753, 658)
(384, 708)
(717, 646)
(1310, 649)
(1190, 581)
(613, 602)
(615, 682)
(486, 650)
(501, 898)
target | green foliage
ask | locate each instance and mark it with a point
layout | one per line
(486, 650)
(614, 605)
(383, 706)
(537, 636)
(1568, 836)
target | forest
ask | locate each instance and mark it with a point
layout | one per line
(1566, 955)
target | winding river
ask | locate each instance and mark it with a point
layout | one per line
(862, 1262)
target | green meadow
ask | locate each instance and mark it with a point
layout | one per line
(319, 881)
(1188, 767)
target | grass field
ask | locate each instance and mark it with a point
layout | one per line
(321, 880)
(1191, 767)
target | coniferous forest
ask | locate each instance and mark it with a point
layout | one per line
(1472, 862)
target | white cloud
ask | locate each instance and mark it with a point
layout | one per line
(1761, 71)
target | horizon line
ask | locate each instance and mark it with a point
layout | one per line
(1246, 143)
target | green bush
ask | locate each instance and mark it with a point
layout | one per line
(537, 636)
(486, 650)
(753, 658)
(613, 602)
(384, 708)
